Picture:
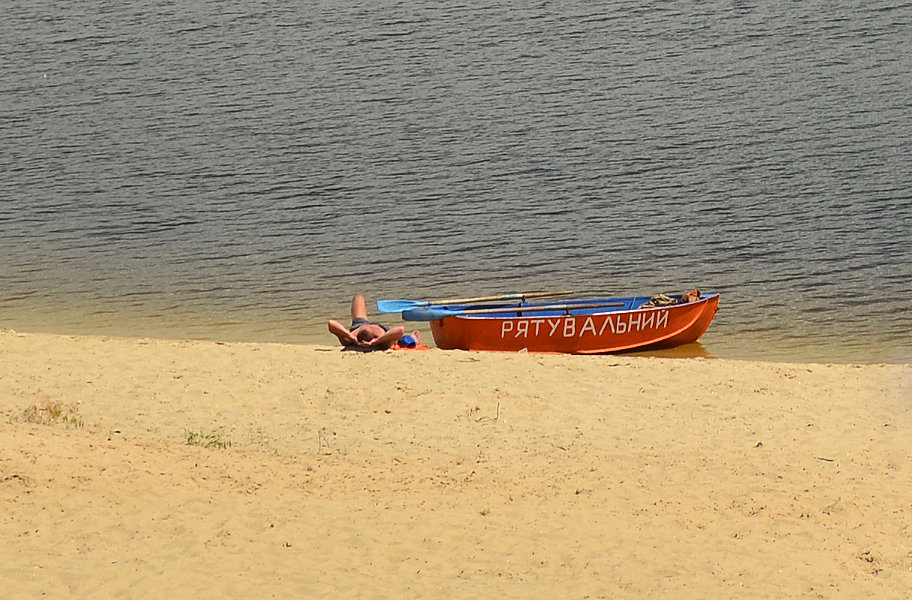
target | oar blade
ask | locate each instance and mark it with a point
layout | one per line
(394, 306)
(428, 314)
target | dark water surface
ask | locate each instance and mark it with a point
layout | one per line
(236, 170)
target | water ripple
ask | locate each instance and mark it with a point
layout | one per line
(238, 173)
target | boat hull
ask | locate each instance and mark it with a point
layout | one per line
(594, 331)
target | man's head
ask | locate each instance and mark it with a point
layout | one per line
(369, 332)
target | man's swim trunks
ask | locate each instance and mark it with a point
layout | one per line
(362, 321)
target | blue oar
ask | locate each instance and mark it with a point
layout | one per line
(433, 314)
(394, 306)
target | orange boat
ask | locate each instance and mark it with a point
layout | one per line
(574, 327)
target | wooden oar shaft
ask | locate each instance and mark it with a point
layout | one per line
(542, 308)
(516, 296)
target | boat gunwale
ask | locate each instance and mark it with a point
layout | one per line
(583, 312)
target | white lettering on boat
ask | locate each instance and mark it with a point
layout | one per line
(554, 323)
(567, 326)
(589, 325)
(522, 329)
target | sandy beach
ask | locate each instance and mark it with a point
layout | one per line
(145, 468)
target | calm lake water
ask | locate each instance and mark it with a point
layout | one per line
(235, 170)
